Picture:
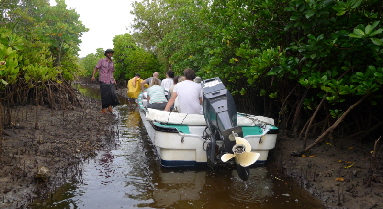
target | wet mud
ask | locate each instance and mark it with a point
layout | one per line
(341, 174)
(43, 149)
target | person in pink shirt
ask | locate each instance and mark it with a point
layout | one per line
(105, 66)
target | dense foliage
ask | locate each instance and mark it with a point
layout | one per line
(131, 59)
(38, 51)
(308, 63)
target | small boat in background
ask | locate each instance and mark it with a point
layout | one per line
(215, 138)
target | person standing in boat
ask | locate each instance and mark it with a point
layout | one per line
(105, 66)
(167, 82)
(156, 95)
(134, 89)
(188, 93)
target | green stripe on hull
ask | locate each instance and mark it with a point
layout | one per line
(181, 128)
(251, 130)
(247, 130)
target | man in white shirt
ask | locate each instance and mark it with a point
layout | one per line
(167, 82)
(189, 95)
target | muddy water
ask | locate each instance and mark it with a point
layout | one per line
(127, 174)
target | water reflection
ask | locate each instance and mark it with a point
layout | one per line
(132, 122)
(127, 174)
(89, 92)
(173, 187)
(105, 169)
(209, 189)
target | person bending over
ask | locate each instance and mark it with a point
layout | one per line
(134, 89)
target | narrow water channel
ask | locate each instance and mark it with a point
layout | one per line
(127, 174)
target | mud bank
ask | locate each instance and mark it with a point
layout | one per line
(43, 148)
(337, 173)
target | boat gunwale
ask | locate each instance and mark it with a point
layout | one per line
(273, 130)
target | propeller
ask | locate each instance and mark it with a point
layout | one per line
(242, 153)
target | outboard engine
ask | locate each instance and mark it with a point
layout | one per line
(220, 114)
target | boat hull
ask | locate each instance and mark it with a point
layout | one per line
(183, 145)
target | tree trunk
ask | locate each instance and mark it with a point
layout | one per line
(337, 122)
(311, 121)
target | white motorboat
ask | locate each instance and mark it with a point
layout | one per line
(215, 138)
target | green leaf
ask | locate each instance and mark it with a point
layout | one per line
(294, 17)
(4, 82)
(356, 4)
(341, 12)
(377, 41)
(262, 92)
(341, 8)
(290, 9)
(380, 30)
(275, 70)
(18, 47)
(311, 36)
(243, 91)
(353, 35)
(368, 29)
(359, 32)
(309, 13)
(376, 23)
(273, 95)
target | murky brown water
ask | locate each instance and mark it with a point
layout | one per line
(127, 174)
